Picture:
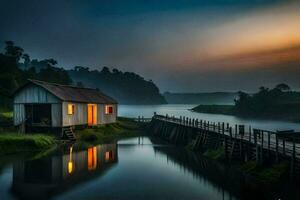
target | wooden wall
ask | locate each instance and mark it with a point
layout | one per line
(59, 109)
(36, 94)
(80, 115)
(107, 118)
(78, 118)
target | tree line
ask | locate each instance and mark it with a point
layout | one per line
(278, 100)
(16, 66)
(126, 87)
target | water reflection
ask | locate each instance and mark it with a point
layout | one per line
(136, 168)
(43, 178)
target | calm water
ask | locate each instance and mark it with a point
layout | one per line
(136, 168)
(183, 110)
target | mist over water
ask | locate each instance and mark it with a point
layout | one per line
(177, 110)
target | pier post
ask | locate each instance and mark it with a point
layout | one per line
(277, 156)
(249, 134)
(283, 146)
(293, 160)
(230, 132)
(235, 132)
(262, 146)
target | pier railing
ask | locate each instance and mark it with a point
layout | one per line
(282, 143)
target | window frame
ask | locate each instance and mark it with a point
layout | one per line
(107, 109)
(72, 106)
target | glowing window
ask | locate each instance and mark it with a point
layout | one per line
(71, 109)
(108, 109)
(92, 158)
(70, 163)
(108, 156)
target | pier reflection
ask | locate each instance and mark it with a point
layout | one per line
(46, 177)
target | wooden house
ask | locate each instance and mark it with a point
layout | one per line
(42, 105)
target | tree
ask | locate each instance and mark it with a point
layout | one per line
(283, 87)
(12, 50)
(27, 61)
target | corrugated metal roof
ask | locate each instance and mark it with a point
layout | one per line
(75, 94)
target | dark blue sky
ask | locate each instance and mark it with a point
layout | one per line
(182, 45)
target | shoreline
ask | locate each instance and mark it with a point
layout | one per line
(12, 142)
(229, 110)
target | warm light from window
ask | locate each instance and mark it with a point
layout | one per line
(71, 109)
(108, 109)
(108, 155)
(92, 158)
(70, 163)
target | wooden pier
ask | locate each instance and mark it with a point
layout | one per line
(239, 142)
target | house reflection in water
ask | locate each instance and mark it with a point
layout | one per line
(43, 178)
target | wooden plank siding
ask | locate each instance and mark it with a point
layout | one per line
(80, 115)
(78, 118)
(33, 94)
(106, 118)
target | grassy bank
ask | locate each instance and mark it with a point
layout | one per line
(214, 109)
(269, 174)
(266, 174)
(124, 127)
(11, 142)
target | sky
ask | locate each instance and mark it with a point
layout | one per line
(182, 45)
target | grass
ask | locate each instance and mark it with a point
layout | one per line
(6, 116)
(214, 109)
(11, 142)
(124, 127)
(266, 174)
(215, 154)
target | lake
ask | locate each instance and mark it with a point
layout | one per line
(135, 168)
(183, 110)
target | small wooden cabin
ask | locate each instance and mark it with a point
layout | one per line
(40, 104)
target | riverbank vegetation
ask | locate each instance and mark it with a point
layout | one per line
(277, 103)
(265, 173)
(124, 127)
(11, 142)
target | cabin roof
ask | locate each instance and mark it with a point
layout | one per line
(72, 93)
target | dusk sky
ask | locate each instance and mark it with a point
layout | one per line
(183, 46)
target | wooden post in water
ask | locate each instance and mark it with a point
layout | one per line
(256, 144)
(293, 162)
(277, 156)
(235, 132)
(283, 145)
(269, 143)
(249, 134)
(262, 146)
(230, 132)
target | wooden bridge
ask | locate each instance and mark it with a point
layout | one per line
(238, 141)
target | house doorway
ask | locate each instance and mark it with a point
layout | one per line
(38, 115)
(92, 114)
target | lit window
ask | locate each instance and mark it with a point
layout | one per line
(108, 156)
(92, 158)
(108, 109)
(71, 109)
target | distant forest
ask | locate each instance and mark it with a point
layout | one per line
(279, 102)
(127, 87)
(16, 67)
(226, 98)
